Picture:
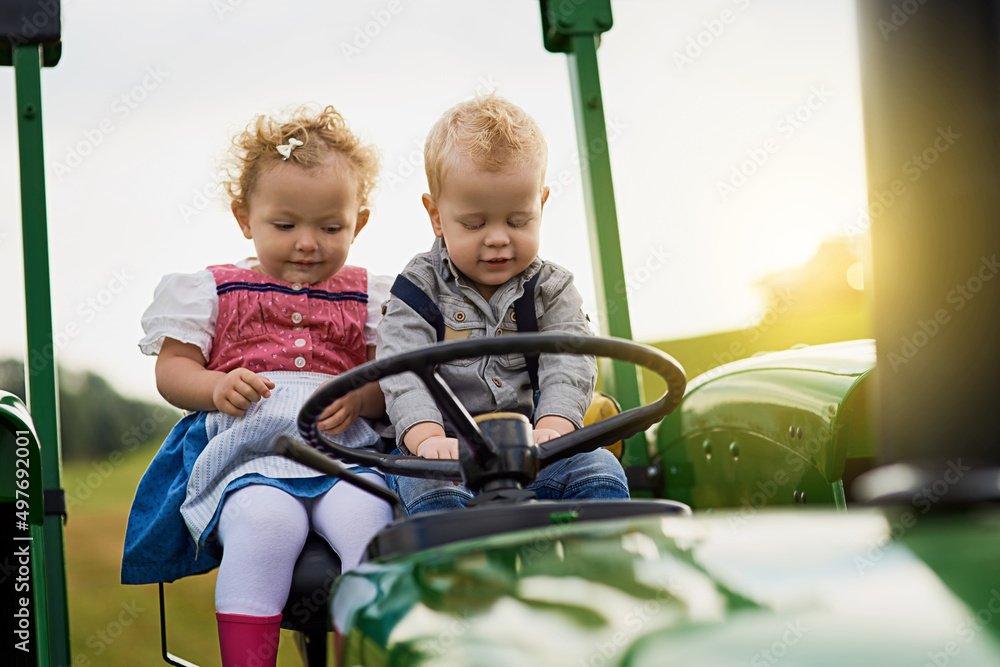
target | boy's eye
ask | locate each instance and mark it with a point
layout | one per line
(471, 225)
(284, 226)
(332, 229)
(518, 223)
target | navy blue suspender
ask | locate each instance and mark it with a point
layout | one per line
(524, 314)
(406, 291)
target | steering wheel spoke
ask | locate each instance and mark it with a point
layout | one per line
(458, 417)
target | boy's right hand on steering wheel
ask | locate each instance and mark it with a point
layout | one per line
(238, 390)
(438, 447)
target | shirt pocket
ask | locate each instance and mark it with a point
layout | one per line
(512, 362)
(462, 321)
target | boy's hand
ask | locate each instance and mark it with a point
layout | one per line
(550, 427)
(545, 434)
(438, 447)
(238, 390)
(339, 415)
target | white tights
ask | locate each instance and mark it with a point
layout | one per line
(262, 530)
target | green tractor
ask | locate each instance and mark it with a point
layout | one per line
(827, 505)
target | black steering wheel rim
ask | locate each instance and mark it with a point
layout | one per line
(424, 361)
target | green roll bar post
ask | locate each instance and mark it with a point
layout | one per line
(574, 27)
(19, 443)
(40, 376)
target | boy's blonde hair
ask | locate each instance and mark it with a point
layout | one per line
(321, 132)
(491, 132)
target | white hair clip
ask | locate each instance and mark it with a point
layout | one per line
(286, 149)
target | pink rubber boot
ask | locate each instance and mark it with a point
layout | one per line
(248, 641)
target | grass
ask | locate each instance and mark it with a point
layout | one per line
(112, 625)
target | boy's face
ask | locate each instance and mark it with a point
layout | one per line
(489, 221)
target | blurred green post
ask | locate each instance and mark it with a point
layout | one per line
(574, 27)
(40, 369)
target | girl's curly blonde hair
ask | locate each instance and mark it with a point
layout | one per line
(321, 132)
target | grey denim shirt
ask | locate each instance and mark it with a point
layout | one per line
(494, 383)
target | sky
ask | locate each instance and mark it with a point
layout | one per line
(735, 134)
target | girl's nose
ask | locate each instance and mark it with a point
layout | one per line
(306, 241)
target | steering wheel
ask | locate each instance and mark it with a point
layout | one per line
(480, 450)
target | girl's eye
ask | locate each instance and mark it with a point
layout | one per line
(517, 224)
(284, 226)
(332, 229)
(472, 226)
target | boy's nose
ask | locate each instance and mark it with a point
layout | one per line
(496, 235)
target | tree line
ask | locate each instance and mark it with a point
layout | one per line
(94, 419)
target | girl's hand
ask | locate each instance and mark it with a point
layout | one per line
(339, 415)
(438, 447)
(238, 390)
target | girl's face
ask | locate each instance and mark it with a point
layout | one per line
(303, 221)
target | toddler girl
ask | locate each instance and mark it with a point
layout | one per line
(242, 346)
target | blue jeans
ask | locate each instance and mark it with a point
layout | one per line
(593, 475)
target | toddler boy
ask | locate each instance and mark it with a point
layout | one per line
(485, 161)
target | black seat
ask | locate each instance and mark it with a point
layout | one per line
(307, 609)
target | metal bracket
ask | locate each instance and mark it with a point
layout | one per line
(54, 502)
(29, 22)
(561, 19)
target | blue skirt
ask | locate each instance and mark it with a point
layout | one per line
(158, 543)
